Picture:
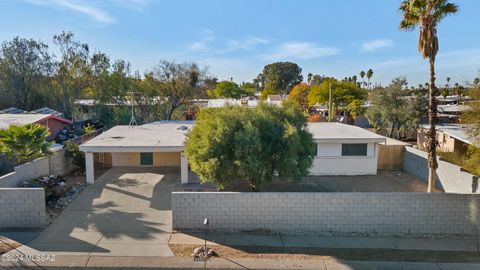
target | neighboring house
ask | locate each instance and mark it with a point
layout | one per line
(344, 149)
(341, 149)
(47, 110)
(154, 144)
(44, 110)
(450, 100)
(275, 99)
(13, 110)
(451, 138)
(450, 113)
(52, 122)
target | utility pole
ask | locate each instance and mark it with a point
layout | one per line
(330, 104)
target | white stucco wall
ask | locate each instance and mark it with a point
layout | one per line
(329, 160)
(159, 159)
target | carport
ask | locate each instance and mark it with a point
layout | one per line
(158, 144)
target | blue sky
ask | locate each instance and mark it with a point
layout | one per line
(237, 38)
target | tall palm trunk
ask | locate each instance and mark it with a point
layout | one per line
(432, 133)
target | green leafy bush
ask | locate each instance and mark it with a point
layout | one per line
(250, 145)
(78, 157)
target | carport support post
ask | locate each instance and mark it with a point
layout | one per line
(89, 167)
(183, 169)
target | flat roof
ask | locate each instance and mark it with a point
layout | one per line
(456, 131)
(326, 131)
(12, 119)
(170, 136)
(159, 136)
(452, 108)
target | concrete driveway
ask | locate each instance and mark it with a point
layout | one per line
(127, 212)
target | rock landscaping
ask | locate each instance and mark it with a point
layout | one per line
(59, 191)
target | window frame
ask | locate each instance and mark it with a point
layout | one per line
(346, 153)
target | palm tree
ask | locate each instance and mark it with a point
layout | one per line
(369, 75)
(354, 79)
(362, 75)
(24, 143)
(448, 84)
(309, 77)
(426, 14)
(458, 92)
(444, 94)
(476, 81)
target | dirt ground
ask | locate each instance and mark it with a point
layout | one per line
(6, 246)
(384, 181)
(282, 253)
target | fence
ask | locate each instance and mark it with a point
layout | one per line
(390, 157)
(86, 137)
(22, 207)
(57, 164)
(450, 177)
(416, 213)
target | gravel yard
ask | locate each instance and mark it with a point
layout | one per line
(384, 181)
(297, 253)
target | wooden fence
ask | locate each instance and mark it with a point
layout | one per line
(86, 137)
(390, 157)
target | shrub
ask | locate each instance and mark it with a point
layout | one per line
(251, 145)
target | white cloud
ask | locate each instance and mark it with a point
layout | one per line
(376, 44)
(82, 7)
(91, 8)
(247, 44)
(301, 50)
(198, 45)
(204, 43)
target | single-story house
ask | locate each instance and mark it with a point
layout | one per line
(341, 149)
(52, 122)
(154, 144)
(451, 138)
(344, 149)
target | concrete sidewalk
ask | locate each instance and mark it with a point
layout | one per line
(323, 242)
(90, 262)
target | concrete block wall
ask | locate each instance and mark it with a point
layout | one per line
(22, 208)
(60, 163)
(450, 177)
(418, 213)
(57, 164)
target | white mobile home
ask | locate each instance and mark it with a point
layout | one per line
(341, 149)
(344, 149)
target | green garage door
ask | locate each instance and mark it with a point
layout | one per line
(146, 158)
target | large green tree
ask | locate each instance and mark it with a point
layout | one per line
(393, 111)
(24, 143)
(279, 78)
(427, 14)
(72, 76)
(250, 145)
(299, 95)
(178, 83)
(227, 89)
(25, 67)
(344, 94)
